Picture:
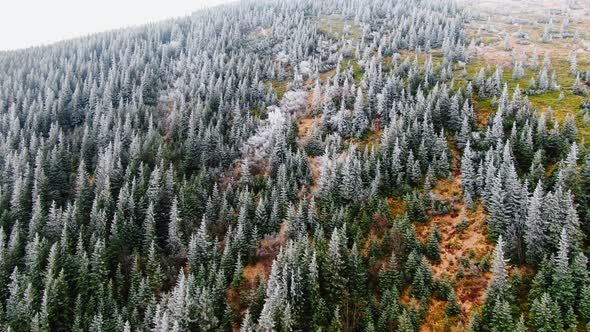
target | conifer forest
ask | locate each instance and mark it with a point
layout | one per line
(302, 165)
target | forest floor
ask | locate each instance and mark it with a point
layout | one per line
(460, 249)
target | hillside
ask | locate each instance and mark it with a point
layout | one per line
(302, 165)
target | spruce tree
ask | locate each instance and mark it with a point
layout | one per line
(432, 247)
(501, 319)
(563, 286)
(497, 294)
(174, 236)
(534, 235)
(545, 315)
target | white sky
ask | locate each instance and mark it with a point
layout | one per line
(26, 23)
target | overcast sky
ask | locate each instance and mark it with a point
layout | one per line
(26, 23)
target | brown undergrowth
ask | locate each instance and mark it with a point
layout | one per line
(461, 253)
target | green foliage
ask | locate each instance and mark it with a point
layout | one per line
(462, 225)
(415, 208)
(453, 308)
(156, 178)
(432, 247)
(545, 315)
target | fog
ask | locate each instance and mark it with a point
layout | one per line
(27, 23)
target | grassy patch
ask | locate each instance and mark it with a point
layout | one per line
(570, 104)
(337, 26)
(483, 110)
(280, 87)
(356, 72)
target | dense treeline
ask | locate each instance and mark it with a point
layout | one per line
(144, 170)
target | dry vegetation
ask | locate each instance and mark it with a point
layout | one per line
(459, 250)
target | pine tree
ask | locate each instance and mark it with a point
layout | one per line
(468, 171)
(421, 281)
(174, 238)
(389, 310)
(507, 46)
(545, 315)
(497, 294)
(563, 286)
(153, 267)
(534, 236)
(149, 227)
(390, 277)
(498, 214)
(464, 134)
(267, 320)
(357, 274)
(584, 305)
(570, 130)
(404, 323)
(360, 120)
(502, 317)
(247, 325)
(583, 195)
(335, 324)
(334, 269)
(453, 308)
(578, 88)
(518, 72)
(433, 249)
(543, 80)
(520, 325)
(537, 170)
(568, 174)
